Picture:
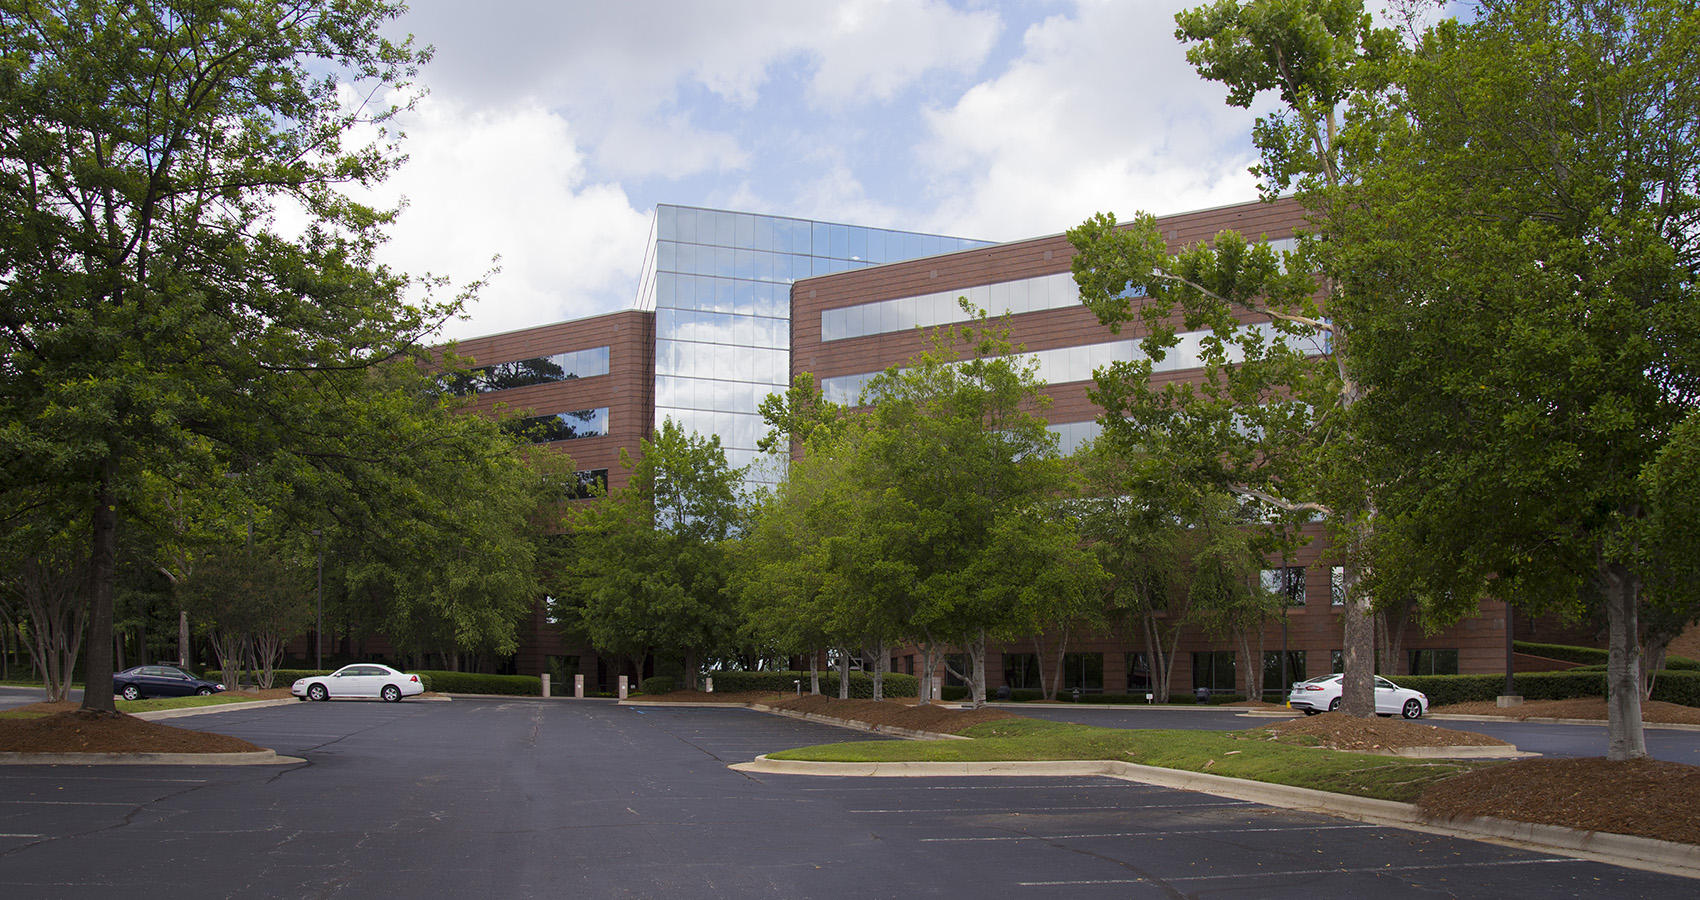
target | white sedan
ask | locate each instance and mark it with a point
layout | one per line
(1322, 694)
(358, 680)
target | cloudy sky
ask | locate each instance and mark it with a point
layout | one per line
(554, 127)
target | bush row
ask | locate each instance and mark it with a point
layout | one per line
(473, 683)
(861, 683)
(1593, 656)
(1670, 686)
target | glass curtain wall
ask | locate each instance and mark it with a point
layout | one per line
(720, 286)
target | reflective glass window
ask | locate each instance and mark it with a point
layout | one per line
(687, 226)
(666, 223)
(763, 233)
(743, 231)
(725, 229)
(877, 238)
(567, 426)
(859, 243)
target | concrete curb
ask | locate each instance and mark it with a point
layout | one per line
(1616, 849)
(157, 714)
(255, 758)
(1542, 720)
(909, 733)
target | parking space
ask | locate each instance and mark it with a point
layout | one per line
(544, 799)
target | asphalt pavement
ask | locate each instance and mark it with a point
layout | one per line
(530, 798)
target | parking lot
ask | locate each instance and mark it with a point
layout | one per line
(529, 798)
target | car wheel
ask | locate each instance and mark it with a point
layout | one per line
(1312, 712)
(205, 692)
(131, 692)
(318, 692)
(392, 693)
(1334, 704)
(1413, 709)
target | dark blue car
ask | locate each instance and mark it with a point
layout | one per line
(160, 681)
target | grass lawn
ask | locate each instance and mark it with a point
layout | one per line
(1251, 755)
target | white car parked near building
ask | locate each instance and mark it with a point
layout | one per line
(358, 680)
(1322, 694)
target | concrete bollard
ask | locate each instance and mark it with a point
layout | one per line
(578, 687)
(711, 684)
(545, 685)
(623, 687)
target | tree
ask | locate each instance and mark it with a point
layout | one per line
(1525, 259)
(243, 594)
(150, 308)
(650, 572)
(956, 450)
(1264, 418)
(43, 595)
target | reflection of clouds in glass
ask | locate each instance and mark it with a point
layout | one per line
(1070, 364)
(1057, 291)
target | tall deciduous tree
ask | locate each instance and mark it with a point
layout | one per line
(958, 452)
(1525, 260)
(1265, 418)
(149, 307)
(650, 572)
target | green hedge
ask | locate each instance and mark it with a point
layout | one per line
(473, 683)
(1677, 687)
(1593, 656)
(657, 684)
(861, 683)
(1671, 686)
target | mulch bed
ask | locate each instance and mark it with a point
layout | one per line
(1643, 797)
(1343, 732)
(904, 713)
(85, 731)
(1653, 712)
(896, 713)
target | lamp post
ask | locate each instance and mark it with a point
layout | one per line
(319, 612)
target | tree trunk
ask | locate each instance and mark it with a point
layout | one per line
(1625, 738)
(880, 662)
(814, 673)
(1390, 627)
(843, 673)
(929, 671)
(103, 559)
(977, 666)
(1358, 686)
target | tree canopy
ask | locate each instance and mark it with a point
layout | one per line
(1524, 260)
(152, 308)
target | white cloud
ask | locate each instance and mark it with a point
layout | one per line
(1100, 113)
(511, 183)
(874, 48)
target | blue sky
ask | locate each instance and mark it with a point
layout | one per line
(554, 127)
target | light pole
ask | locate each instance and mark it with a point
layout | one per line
(319, 612)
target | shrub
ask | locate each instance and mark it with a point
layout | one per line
(1682, 686)
(861, 683)
(1584, 655)
(473, 683)
(658, 684)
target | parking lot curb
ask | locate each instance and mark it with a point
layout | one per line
(157, 714)
(1616, 849)
(1542, 720)
(253, 758)
(893, 730)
